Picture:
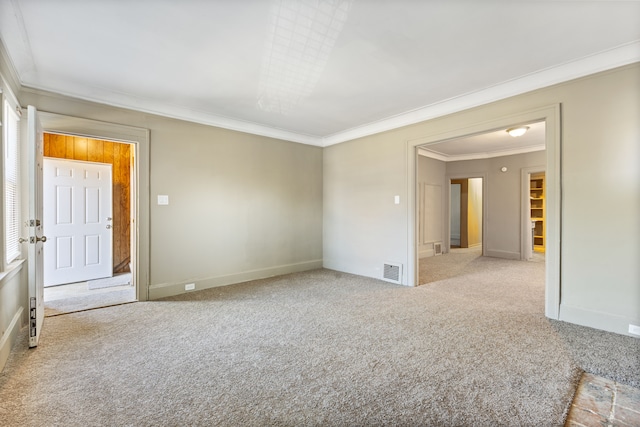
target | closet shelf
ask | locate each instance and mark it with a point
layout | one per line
(536, 213)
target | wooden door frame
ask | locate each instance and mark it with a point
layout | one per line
(140, 198)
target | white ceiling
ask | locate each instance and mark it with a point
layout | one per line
(312, 71)
(486, 145)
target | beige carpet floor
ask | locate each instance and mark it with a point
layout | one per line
(314, 348)
(446, 266)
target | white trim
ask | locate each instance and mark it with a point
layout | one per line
(503, 254)
(142, 105)
(7, 86)
(12, 269)
(597, 319)
(162, 290)
(424, 151)
(9, 336)
(139, 138)
(612, 58)
(551, 115)
(591, 64)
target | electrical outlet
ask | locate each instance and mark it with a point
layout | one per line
(189, 286)
(634, 329)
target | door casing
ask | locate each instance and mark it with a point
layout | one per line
(550, 114)
(140, 198)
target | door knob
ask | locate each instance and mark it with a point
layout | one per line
(23, 240)
(41, 239)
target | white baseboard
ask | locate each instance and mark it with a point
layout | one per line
(503, 254)
(9, 337)
(597, 319)
(169, 289)
(424, 253)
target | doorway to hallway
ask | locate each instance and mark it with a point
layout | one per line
(465, 213)
(89, 254)
(481, 178)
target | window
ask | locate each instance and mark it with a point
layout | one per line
(11, 131)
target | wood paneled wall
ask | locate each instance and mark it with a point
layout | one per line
(119, 156)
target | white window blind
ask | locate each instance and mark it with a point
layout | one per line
(11, 183)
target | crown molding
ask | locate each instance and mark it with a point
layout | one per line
(180, 113)
(616, 57)
(426, 152)
(8, 74)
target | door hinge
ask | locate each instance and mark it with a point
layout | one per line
(33, 319)
(34, 223)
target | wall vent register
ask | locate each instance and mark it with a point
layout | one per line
(392, 273)
(437, 248)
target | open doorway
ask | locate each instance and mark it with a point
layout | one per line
(465, 213)
(478, 125)
(462, 228)
(472, 170)
(534, 205)
(88, 213)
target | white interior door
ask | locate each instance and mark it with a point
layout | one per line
(78, 221)
(36, 239)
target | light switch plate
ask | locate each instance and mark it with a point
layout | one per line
(396, 200)
(163, 199)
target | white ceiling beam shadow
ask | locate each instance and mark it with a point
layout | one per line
(619, 56)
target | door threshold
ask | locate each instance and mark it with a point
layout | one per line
(88, 309)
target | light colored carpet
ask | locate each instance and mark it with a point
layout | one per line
(314, 348)
(613, 356)
(446, 266)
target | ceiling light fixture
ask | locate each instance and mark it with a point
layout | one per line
(519, 131)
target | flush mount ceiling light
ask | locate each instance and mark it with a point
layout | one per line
(519, 131)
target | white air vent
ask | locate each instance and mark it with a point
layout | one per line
(392, 273)
(437, 248)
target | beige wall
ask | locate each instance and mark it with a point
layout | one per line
(241, 206)
(600, 195)
(363, 227)
(244, 206)
(432, 195)
(504, 203)
(503, 198)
